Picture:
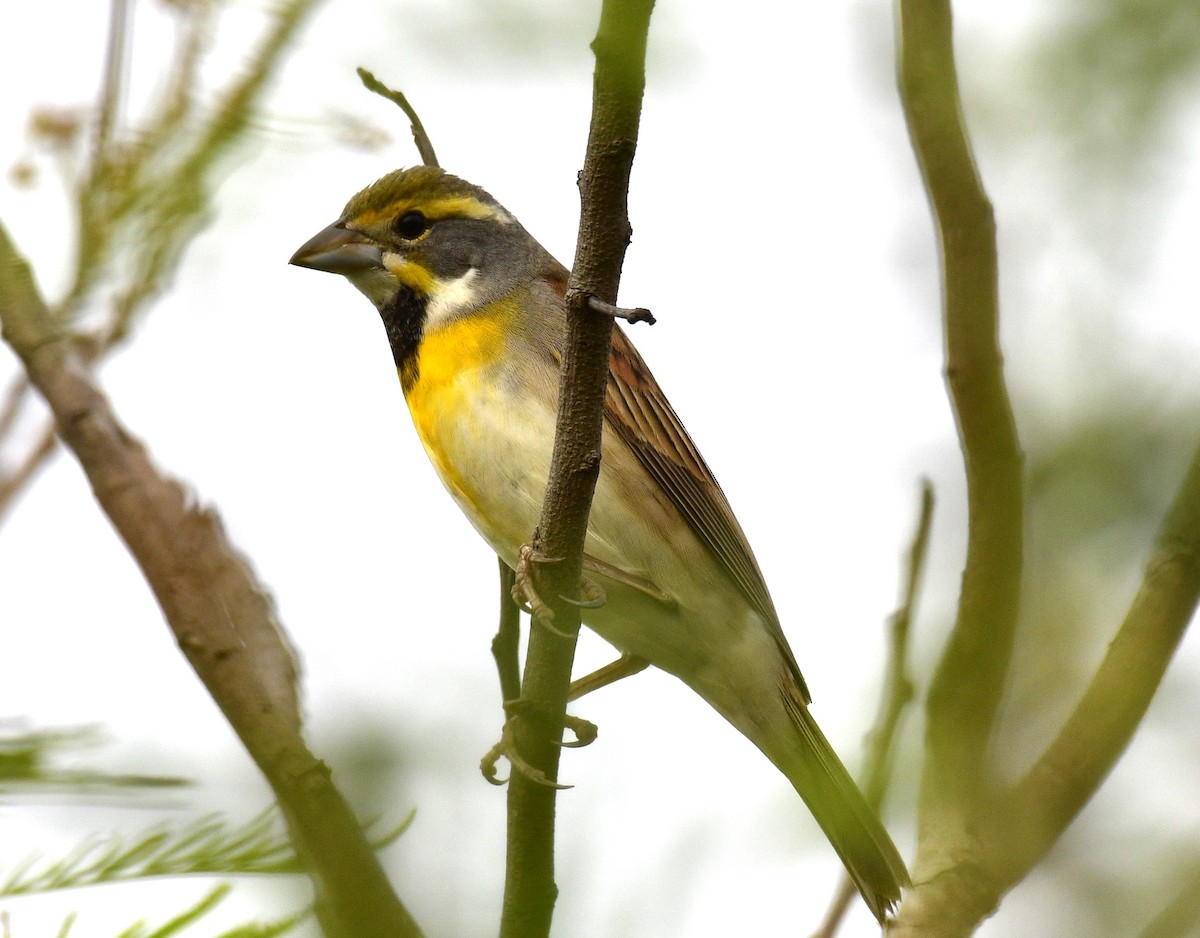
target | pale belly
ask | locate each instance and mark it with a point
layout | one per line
(491, 448)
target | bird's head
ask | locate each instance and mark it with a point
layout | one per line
(429, 239)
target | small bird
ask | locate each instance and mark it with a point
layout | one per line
(474, 311)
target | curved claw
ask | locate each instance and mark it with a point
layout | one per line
(507, 748)
(585, 732)
(487, 765)
(545, 624)
(523, 593)
(594, 595)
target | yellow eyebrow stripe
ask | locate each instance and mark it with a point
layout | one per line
(460, 206)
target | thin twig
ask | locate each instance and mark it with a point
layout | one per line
(506, 644)
(114, 79)
(13, 482)
(894, 698)
(604, 231)
(898, 687)
(637, 314)
(420, 138)
(18, 393)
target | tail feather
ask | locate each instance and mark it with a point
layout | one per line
(851, 825)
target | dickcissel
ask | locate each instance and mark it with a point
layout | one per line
(473, 308)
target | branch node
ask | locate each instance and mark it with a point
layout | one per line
(597, 305)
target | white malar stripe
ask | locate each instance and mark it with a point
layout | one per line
(450, 298)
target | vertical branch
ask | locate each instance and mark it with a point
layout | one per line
(975, 841)
(970, 678)
(506, 644)
(604, 231)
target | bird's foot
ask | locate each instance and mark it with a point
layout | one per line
(623, 667)
(526, 596)
(524, 593)
(585, 734)
(593, 595)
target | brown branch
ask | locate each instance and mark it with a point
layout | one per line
(637, 314)
(221, 616)
(970, 678)
(604, 232)
(420, 138)
(894, 699)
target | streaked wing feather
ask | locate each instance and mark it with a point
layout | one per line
(641, 416)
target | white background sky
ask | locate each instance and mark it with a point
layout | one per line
(781, 238)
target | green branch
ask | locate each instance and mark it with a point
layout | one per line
(1028, 820)
(604, 231)
(970, 678)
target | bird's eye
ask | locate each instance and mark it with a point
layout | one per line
(411, 225)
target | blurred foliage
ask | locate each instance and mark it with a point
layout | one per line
(141, 191)
(208, 845)
(1181, 916)
(189, 917)
(202, 908)
(144, 190)
(1114, 76)
(531, 36)
(26, 758)
(1098, 485)
(1083, 119)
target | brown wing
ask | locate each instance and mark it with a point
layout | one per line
(640, 415)
(638, 412)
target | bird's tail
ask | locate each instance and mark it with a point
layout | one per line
(852, 827)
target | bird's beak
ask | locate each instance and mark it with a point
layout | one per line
(339, 250)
